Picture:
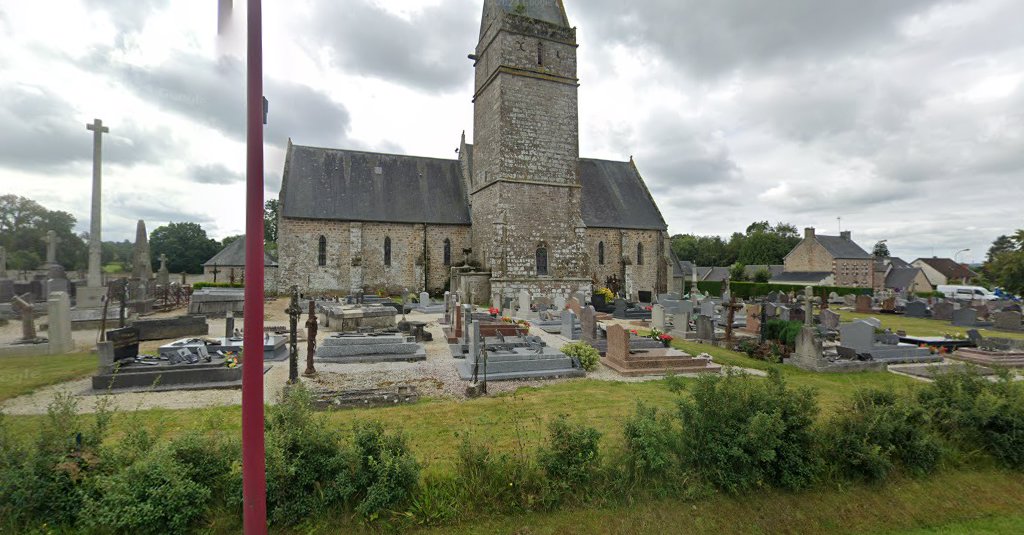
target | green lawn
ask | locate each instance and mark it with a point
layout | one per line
(922, 327)
(23, 375)
(989, 525)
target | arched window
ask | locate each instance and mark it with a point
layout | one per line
(321, 255)
(387, 251)
(447, 252)
(600, 253)
(542, 261)
(540, 53)
(639, 254)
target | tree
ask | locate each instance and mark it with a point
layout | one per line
(23, 227)
(881, 250)
(270, 213)
(231, 239)
(1007, 271)
(1001, 245)
(762, 275)
(185, 244)
(738, 272)
(761, 243)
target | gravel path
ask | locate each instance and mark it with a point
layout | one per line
(435, 377)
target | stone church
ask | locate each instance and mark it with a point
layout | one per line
(519, 205)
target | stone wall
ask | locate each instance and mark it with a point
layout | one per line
(621, 245)
(808, 255)
(226, 274)
(355, 255)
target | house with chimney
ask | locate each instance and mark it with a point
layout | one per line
(944, 271)
(820, 260)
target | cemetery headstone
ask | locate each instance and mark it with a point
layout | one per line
(569, 325)
(59, 331)
(618, 342)
(943, 311)
(864, 304)
(524, 303)
(916, 309)
(658, 317)
(965, 317)
(588, 325)
(857, 335)
(1008, 321)
(124, 343)
(311, 329)
(28, 322)
(829, 319)
(707, 308)
(559, 303)
(705, 328)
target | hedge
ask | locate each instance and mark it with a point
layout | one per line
(748, 290)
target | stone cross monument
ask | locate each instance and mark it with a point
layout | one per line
(95, 248)
(808, 306)
(51, 240)
(163, 276)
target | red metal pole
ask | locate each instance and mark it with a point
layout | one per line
(254, 476)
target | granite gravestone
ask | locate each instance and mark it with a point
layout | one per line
(965, 317)
(658, 317)
(864, 304)
(588, 325)
(569, 325)
(916, 309)
(829, 319)
(943, 311)
(1008, 321)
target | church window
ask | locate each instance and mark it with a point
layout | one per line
(447, 252)
(387, 251)
(600, 253)
(540, 53)
(321, 258)
(639, 254)
(542, 261)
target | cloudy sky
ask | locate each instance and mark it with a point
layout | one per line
(903, 118)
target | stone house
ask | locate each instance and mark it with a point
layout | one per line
(229, 266)
(836, 256)
(518, 207)
(944, 271)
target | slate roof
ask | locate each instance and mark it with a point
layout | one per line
(234, 255)
(717, 274)
(949, 268)
(898, 262)
(901, 278)
(752, 270)
(337, 184)
(801, 276)
(552, 11)
(840, 247)
(614, 196)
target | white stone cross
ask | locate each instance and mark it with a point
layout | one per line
(163, 262)
(51, 240)
(95, 244)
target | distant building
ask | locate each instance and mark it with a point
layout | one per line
(831, 260)
(229, 266)
(944, 271)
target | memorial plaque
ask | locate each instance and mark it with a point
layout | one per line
(126, 343)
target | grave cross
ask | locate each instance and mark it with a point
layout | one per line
(809, 306)
(51, 240)
(95, 245)
(294, 311)
(163, 263)
(311, 328)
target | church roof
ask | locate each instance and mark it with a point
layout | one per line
(350, 185)
(614, 196)
(234, 256)
(344, 185)
(552, 11)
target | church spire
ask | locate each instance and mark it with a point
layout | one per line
(550, 11)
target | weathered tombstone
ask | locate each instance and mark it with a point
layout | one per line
(588, 325)
(559, 303)
(874, 322)
(1008, 321)
(658, 317)
(965, 317)
(473, 342)
(569, 325)
(834, 299)
(889, 304)
(707, 308)
(943, 311)
(784, 298)
(798, 314)
(829, 319)
(620, 308)
(705, 328)
(163, 276)
(229, 324)
(28, 322)
(106, 354)
(524, 304)
(125, 343)
(850, 300)
(916, 309)
(858, 335)
(59, 330)
(864, 304)
(785, 314)
(424, 299)
(618, 342)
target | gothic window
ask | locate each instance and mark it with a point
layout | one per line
(600, 253)
(447, 252)
(321, 258)
(639, 254)
(540, 53)
(542, 261)
(387, 251)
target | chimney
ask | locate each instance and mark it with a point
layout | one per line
(808, 233)
(845, 234)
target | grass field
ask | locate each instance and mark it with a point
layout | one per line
(923, 327)
(23, 375)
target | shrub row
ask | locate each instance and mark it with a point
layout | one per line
(734, 433)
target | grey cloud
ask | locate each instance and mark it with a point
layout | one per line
(213, 93)
(214, 174)
(674, 152)
(128, 16)
(41, 133)
(713, 38)
(427, 51)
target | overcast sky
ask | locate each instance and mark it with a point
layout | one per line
(904, 118)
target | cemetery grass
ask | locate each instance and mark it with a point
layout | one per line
(923, 327)
(23, 375)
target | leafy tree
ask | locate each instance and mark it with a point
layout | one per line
(1007, 271)
(761, 243)
(231, 239)
(270, 212)
(881, 250)
(185, 244)
(738, 272)
(1002, 244)
(23, 227)
(762, 275)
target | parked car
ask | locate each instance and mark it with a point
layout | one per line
(967, 293)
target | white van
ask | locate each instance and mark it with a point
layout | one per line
(966, 293)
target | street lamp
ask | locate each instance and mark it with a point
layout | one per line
(956, 254)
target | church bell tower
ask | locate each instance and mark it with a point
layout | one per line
(525, 185)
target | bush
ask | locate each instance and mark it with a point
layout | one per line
(877, 434)
(571, 457)
(500, 483)
(762, 276)
(151, 496)
(648, 441)
(784, 332)
(739, 433)
(588, 356)
(308, 469)
(386, 473)
(975, 413)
